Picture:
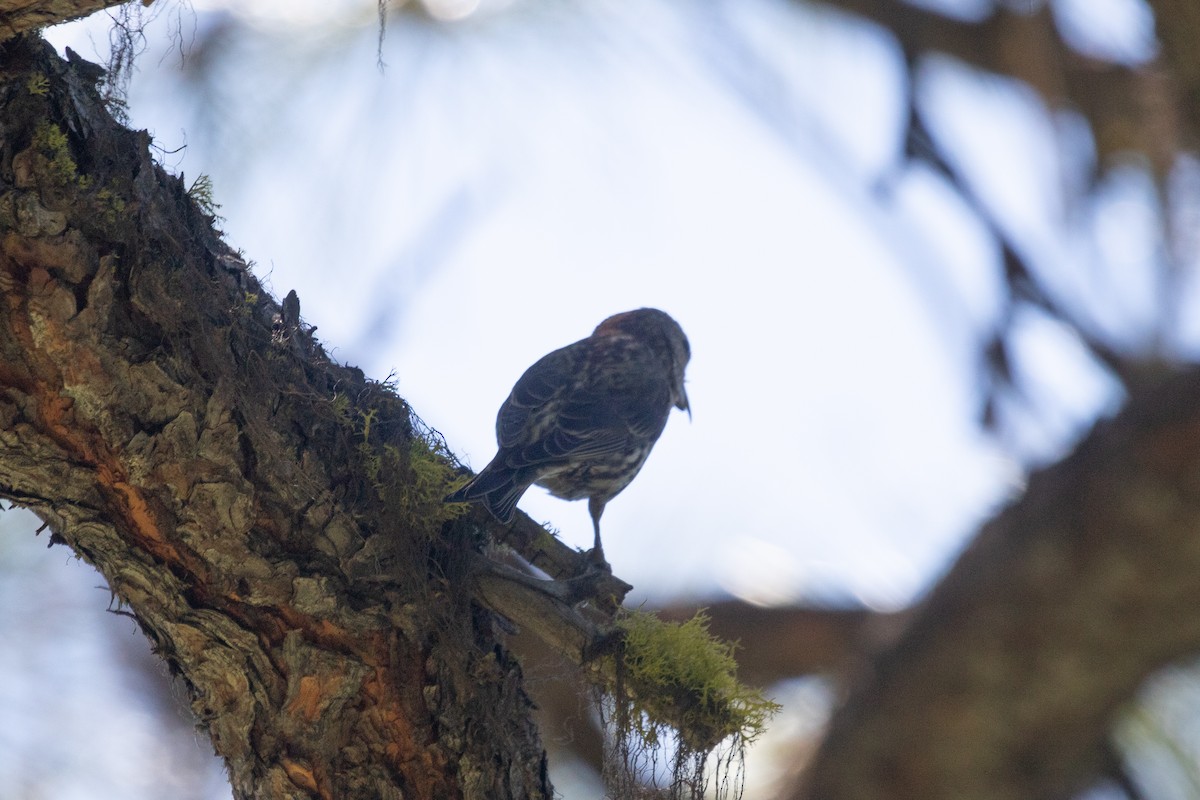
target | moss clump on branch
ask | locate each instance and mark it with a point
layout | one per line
(430, 476)
(674, 688)
(410, 473)
(682, 672)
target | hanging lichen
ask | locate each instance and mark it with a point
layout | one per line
(677, 719)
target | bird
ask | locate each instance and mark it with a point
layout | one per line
(582, 420)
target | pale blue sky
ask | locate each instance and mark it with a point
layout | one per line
(509, 181)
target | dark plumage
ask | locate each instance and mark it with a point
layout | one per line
(583, 419)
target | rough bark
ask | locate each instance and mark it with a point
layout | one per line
(209, 460)
(20, 16)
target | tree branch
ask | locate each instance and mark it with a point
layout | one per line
(274, 520)
(1178, 25)
(1129, 109)
(1006, 682)
(784, 642)
(21, 16)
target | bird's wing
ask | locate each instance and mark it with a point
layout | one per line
(536, 394)
(580, 422)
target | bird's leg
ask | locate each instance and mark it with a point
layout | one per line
(596, 508)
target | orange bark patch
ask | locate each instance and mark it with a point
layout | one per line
(325, 634)
(129, 503)
(309, 700)
(56, 418)
(398, 711)
(300, 775)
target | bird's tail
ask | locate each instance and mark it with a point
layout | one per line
(498, 487)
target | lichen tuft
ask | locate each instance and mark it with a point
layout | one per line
(673, 688)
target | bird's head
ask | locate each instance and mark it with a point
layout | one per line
(663, 335)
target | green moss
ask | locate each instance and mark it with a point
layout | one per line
(340, 403)
(409, 475)
(685, 676)
(52, 144)
(431, 478)
(365, 419)
(673, 698)
(201, 192)
(38, 85)
(111, 205)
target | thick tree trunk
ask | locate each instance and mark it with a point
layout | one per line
(258, 508)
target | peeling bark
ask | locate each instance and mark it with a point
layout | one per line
(211, 467)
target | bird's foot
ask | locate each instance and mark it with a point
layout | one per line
(596, 560)
(596, 587)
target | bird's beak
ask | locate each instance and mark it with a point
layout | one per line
(683, 405)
